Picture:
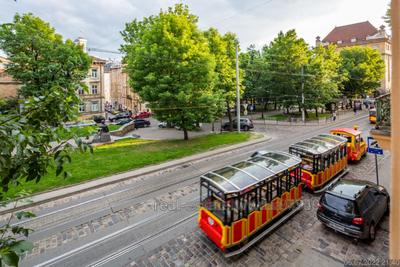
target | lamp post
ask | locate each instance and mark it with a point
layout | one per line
(237, 88)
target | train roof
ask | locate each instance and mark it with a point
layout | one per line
(319, 144)
(347, 130)
(261, 166)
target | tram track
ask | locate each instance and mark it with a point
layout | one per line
(114, 201)
(74, 257)
(124, 196)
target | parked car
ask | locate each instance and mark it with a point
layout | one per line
(123, 121)
(164, 124)
(245, 124)
(142, 115)
(354, 207)
(140, 123)
(122, 115)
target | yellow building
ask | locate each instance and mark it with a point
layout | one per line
(93, 100)
(8, 86)
(122, 97)
(364, 34)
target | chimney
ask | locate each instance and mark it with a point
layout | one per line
(82, 42)
(317, 41)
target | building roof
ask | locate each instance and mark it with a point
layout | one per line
(347, 130)
(359, 31)
(242, 175)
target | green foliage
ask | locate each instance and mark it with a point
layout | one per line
(286, 55)
(12, 244)
(388, 16)
(323, 79)
(170, 65)
(364, 68)
(40, 59)
(50, 71)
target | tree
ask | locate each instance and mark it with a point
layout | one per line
(224, 50)
(286, 55)
(388, 16)
(170, 65)
(50, 70)
(364, 68)
(256, 78)
(322, 83)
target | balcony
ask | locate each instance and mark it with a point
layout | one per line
(382, 131)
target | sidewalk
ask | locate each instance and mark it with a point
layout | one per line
(86, 186)
(343, 115)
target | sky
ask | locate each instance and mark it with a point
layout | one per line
(254, 21)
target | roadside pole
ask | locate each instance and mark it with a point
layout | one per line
(376, 167)
(303, 115)
(373, 148)
(237, 88)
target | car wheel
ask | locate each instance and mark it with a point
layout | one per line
(372, 232)
(246, 128)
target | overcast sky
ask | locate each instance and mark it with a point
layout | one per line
(254, 21)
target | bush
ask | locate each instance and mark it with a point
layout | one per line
(98, 118)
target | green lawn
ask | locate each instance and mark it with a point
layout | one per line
(284, 117)
(127, 155)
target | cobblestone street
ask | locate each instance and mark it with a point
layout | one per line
(302, 241)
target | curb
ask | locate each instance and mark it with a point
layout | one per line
(119, 177)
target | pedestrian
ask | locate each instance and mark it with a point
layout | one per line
(355, 109)
(334, 115)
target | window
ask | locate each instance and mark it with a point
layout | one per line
(367, 202)
(353, 40)
(94, 73)
(338, 203)
(95, 106)
(81, 107)
(94, 89)
(81, 91)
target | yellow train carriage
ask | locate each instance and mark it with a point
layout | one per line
(324, 157)
(243, 202)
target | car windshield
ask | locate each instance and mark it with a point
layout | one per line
(338, 203)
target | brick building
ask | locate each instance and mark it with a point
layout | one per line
(8, 86)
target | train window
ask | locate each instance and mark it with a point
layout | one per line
(307, 164)
(264, 194)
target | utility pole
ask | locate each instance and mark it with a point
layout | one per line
(237, 88)
(303, 115)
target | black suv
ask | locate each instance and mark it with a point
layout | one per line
(353, 207)
(245, 124)
(140, 123)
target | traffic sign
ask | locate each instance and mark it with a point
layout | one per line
(375, 150)
(373, 147)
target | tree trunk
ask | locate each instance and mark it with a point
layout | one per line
(185, 134)
(275, 104)
(212, 127)
(229, 116)
(316, 113)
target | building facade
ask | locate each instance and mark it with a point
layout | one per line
(122, 97)
(8, 86)
(364, 34)
(93, 100)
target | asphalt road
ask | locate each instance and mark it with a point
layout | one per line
(113, 225)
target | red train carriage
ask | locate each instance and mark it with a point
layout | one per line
(243, 202)
(324, 157)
